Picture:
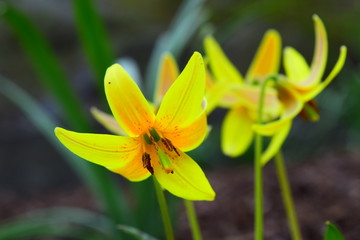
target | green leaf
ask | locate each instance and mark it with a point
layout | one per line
(46, 65)
(332, 232)
(94, 39)
(136, 233)
(96, 177)
(188, 19)
(61, 221)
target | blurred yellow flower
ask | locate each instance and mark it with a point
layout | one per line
(155, 141)
(230, 90)
(302, 83)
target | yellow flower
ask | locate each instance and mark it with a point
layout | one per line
(230, 90)
(302, 83)
(155, 141)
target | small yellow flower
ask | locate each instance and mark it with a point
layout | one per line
(302, 83)
(241, 95)
(155, 141)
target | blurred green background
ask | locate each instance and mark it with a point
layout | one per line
(31, 168)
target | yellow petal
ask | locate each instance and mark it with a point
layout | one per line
(182, 104)
(218, 94)
(236, 132)
(190, 137)
(276, 142)
(320, 87)
(222, 69)
(320, 57)
(108, 121)
(267, 58)
(187, 181)
(292, 105)
(127, 103)
(296, 68)
(113, 152)
(167, 75)
(249, 96)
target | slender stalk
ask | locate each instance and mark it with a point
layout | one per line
(164, 211)
(287, 198)
(258, 184)
(193, 222)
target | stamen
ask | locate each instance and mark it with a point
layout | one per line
(154, 134)
(165, 161)
(147, 139)
(146, 162)
(310, 112)
(169, 146)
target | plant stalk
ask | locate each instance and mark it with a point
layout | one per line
(164, 211)
(193, 221)
(287, 197)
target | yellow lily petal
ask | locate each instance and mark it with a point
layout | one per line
(188, 181)
(113, 152)
(276, 142)
(127, 103)
(338, 66)
(236, 132)
(292, 105)
(190, 137)
(221, 67)
(167, 75)
(249, 96)
(108, 121)
(295, 65)
(182, 104)
(217, 95)
(267, 58)
(320, 57)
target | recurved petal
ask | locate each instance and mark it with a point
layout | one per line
(182, 103)
(292, 105)
(217, 95)
(221, 67)
(276, 142)
(127, 103)
(110, 151)
(319, 59)
(236, 132)
(190, 137)
(306, 96)
(267, 58)
(108, 121)
(296, 68)
(188, 181)
(167, 75)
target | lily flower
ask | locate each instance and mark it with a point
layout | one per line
(230, 89)
(155, 141)
(302, 83)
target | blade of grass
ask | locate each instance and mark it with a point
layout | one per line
(61, 221)
(46, 65)
(96, 178)
(187, 20)
(332, 232)
(94, 39)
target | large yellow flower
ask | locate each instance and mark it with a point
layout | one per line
(302, 83)
(241, 95)
(155, 141)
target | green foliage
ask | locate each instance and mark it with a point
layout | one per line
(332, 232)
(94, 39)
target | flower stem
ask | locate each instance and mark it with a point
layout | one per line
(287, 198)
(258, 182)
(164, 211)
(194, 224)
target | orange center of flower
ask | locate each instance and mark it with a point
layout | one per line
(154, 139)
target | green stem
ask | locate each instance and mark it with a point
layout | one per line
(258, 185)
(194, 224)
(164, 211)
(287, 198)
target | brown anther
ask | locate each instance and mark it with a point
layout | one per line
(147, 162)
(168, 144)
